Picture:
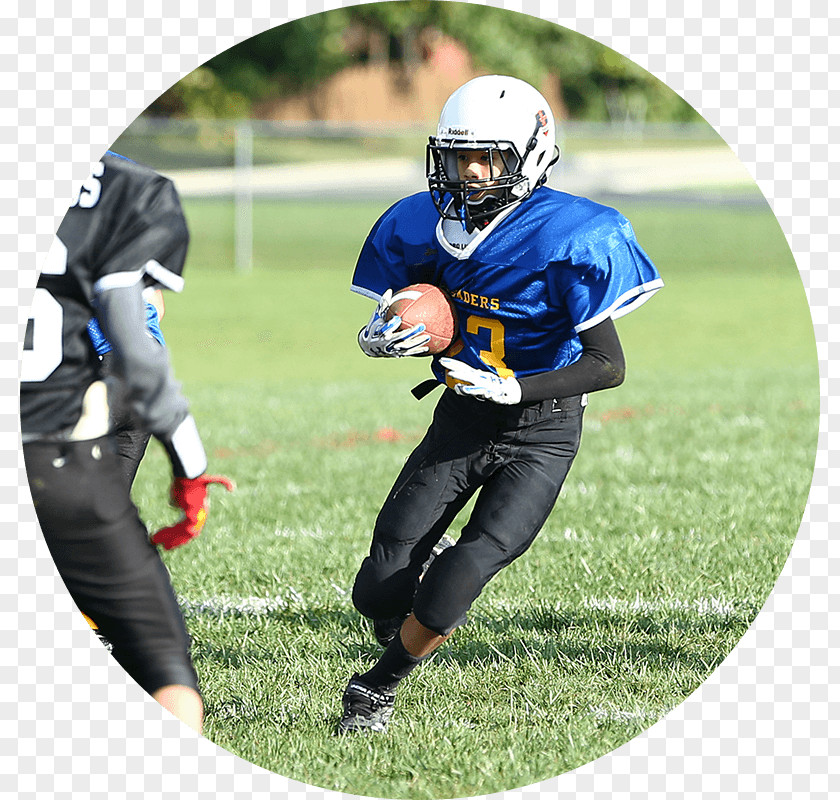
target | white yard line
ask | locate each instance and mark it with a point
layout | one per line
(702, 607)
(245, 606)
(622, 715)
(261, 606)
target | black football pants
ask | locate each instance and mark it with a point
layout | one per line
(515, 457)
(102, 552)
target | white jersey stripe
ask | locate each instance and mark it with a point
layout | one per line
(163, 276)
(624, 304)
(117, 280)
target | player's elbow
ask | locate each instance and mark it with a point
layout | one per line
(614, 373)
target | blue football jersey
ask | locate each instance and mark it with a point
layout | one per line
(525, 286)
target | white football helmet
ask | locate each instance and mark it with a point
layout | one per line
(492, 113)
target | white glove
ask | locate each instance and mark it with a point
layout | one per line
(481, 384)
(380, 337)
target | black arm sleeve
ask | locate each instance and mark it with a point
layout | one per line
(600, 366)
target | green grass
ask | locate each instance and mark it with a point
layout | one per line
(672, 528)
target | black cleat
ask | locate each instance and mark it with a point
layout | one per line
(386, 629)
(365, 709)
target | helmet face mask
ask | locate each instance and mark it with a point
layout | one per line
(473, 200)
(499, 115)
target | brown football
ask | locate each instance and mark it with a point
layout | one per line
(422, 302)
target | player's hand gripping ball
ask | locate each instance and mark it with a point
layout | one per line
(422, 303)
(381, 337)
(190, 495)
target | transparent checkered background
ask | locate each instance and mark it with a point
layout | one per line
(72, 723)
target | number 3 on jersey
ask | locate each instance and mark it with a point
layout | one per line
(42, 352)
(495, 356)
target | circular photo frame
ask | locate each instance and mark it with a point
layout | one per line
(674, 522)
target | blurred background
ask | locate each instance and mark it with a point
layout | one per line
(341, 104)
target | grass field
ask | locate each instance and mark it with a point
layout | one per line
(670, 532)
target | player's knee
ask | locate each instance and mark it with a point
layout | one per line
(365, 589)
(447, 591)
(382, 590)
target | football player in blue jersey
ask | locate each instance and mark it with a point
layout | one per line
(537, 277)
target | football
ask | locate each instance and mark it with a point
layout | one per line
(422, 302)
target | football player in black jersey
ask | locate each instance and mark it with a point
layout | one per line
(124, 231)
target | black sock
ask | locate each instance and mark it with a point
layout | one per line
(394, 665)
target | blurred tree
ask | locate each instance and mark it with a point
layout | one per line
(595, 82)
(281, 60)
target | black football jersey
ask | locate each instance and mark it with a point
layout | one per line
(125, 225)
